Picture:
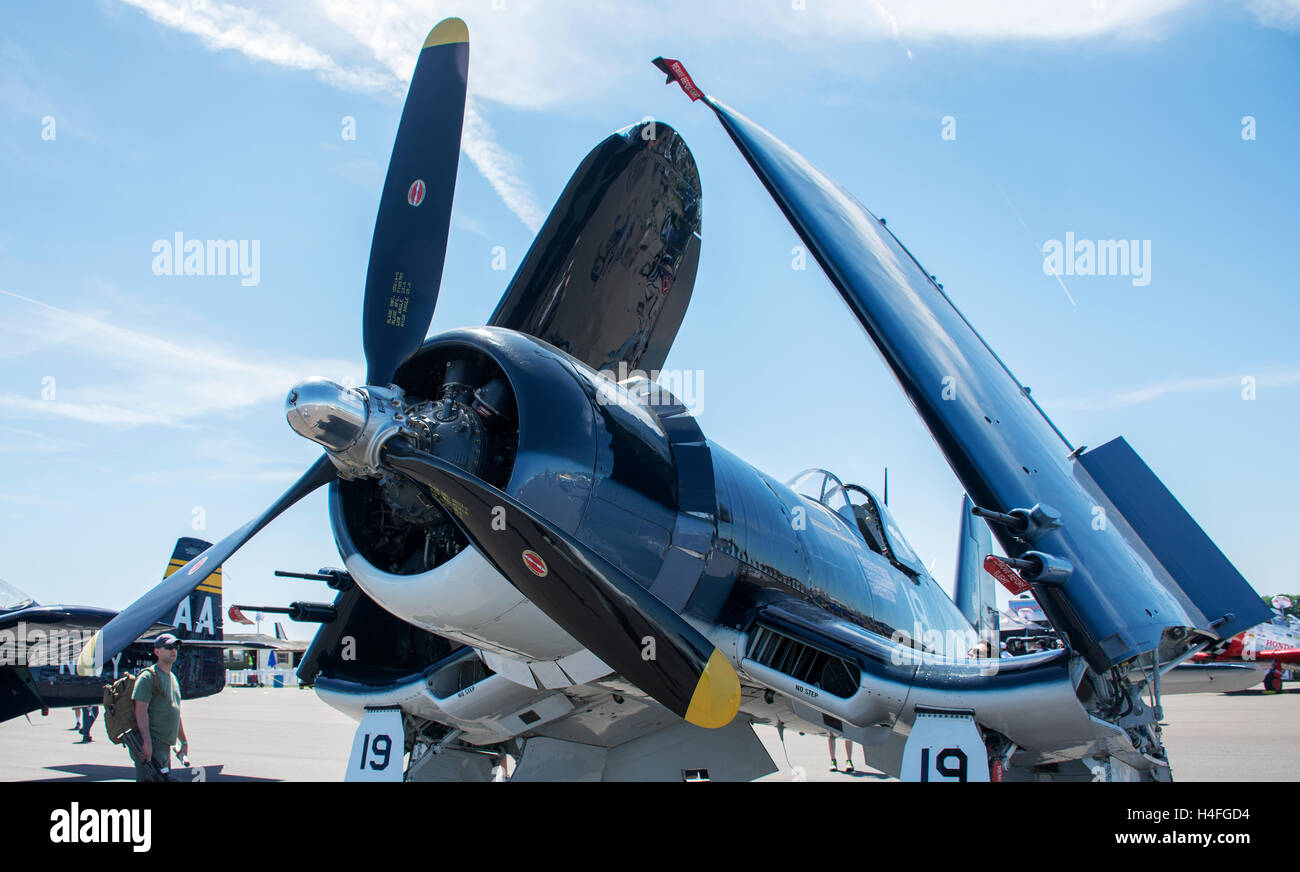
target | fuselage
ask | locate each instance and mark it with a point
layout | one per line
(626, 470)
(808, 587)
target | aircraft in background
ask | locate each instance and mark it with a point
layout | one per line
(546, 561)
(39, 644)
(1022, 623)
(1275, 642)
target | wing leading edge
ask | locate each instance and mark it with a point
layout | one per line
(1117, 601)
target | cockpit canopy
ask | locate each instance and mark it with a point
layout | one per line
(12, 599)
(863, 512)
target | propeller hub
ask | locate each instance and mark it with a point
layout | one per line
(326, 412)
(351, 423)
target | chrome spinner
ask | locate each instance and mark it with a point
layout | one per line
(351, 423)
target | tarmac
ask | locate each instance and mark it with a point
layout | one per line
(252, 734)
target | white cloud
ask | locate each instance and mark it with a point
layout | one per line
(469, 225)
(1154, 391)
(14, 440)
(138, 379)
(1282, 14)
(524, 53)
(230, 26)
(983, 19)
(389, 35)
(500, 168)
(531, 56)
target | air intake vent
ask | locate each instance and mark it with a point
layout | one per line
(804, 663)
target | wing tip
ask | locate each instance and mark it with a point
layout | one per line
(447, 32)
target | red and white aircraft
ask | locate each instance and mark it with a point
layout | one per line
(1278, 641)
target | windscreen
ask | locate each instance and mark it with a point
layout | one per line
(903, 552)
(11, 598)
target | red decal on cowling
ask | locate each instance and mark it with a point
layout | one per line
(536, 565)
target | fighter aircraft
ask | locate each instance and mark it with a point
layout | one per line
(544, 560)
(39, 644)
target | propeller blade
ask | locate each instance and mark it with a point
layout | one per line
(138, 617)
(410, 241)
(615, 618)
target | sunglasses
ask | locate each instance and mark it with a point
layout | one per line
(171, 647)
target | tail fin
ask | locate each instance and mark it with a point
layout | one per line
(974, 590)
(279, 631)
(198, 616)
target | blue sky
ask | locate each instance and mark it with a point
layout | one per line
(1107, 120)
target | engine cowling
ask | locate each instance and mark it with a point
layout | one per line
(527, 419)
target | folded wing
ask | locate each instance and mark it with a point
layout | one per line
(1118, 599)
(610, 274)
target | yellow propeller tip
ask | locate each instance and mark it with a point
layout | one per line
(86, 659)
(446, 32)
(717, 694)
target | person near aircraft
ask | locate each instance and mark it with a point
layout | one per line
(848, 754)
(501, 767)
(1273, 678)
(157, 697)
(88, 715)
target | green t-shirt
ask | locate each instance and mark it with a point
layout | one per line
(164, 706)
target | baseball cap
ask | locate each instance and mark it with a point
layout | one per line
(165, 639)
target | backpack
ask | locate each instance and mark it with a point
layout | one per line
(119, 708)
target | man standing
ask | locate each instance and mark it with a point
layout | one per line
(88, 715)
(157, 697)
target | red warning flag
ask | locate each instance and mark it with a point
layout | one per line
(1005, 575)
(677, 73)
(237, 616)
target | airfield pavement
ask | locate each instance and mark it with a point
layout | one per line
(252, 734)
